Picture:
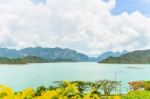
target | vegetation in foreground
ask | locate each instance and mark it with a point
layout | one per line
(80, 90)
(64, 90)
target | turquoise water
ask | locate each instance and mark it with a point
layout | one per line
(34, 75)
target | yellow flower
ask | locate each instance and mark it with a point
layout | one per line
(117, 97)
(49, 95)
(27, 93)
(8, 91)
(5, 92)
(110, 97)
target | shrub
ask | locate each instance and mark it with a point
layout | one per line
(137, 94)
(63, 90)
(146, 85)
(135, 85)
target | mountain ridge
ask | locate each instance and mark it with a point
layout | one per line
(45, 53)
(107, 54)
(134, 57)
(56, 54)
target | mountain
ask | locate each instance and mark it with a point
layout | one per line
(50, 54)
(110, 54)
(10, 53)
(135, 57)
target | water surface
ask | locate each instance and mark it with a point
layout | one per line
(34, 75)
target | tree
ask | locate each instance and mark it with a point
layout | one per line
(40, 90)
(82, 86)
(108, 86)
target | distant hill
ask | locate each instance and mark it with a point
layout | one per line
(24, 60)
(34, 59)
(135, 57)
(110, 54)
(5, 60)
(50, 54)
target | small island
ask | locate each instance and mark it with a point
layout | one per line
(31, 59)
(24, 60)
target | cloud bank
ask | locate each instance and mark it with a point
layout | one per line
(84, 25)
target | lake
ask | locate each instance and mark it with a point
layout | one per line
(34, 75)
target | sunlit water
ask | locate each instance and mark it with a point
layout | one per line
(34, 75)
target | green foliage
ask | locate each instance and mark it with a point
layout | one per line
(82, 86)
(97, 87)
(24, 60)
(135, 57)
(137, 94)
(4, 60)
(139, 90)
(34, 59)
(146, 85)
(39, 90)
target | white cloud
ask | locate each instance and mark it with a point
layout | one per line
(83, 25)
(146, 1)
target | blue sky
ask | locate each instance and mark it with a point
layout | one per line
(131, 6)
(39, 1)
